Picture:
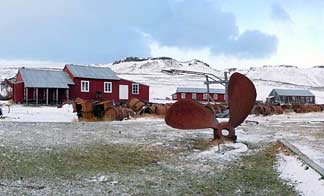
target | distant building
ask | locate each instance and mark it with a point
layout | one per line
(199, 94)
(290, 96)
(86, 82)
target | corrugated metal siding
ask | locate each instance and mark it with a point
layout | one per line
(199, 90)
(35, 78)
(81, 71)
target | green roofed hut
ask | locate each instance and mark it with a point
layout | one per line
(291, 96)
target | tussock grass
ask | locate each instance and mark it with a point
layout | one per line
(73, 163)
(252, 175)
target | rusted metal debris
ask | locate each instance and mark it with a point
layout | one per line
(109, 111)
(189, 114)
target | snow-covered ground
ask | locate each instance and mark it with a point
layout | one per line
(306, 132)
(306, 181)
(303, 130)
(37, 114)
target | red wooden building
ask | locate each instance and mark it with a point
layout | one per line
(41, 86)
(86, 82)
(199, 94)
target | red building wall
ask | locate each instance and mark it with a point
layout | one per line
(144, 90)
(97, 85)
(18, 92)
(94, 87)
(199, 97)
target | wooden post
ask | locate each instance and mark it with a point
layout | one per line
(56, 96)
(26, 94)
(47, 96)
(53, 95)
(36, 96)
(33, 94)
(67, 95)
(207, 84)
(303, 156)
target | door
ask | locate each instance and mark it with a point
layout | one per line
(123, 92)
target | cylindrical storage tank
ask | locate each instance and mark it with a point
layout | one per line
(153, 108)
(257, 110)
(111, 114)
(135, 104)
(87, 116)
(279, 110)
(87, 106)
(161, 109)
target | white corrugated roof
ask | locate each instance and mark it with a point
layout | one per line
(199, 90)
(91, 72)
(38, 78)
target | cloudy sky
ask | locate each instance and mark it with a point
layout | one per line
(224, 33)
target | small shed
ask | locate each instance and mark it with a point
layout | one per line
(41, 86)
(199, 94)
(291, 96)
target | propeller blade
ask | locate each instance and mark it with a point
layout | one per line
(241, 98)
(188, 114)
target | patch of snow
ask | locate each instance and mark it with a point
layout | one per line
(307, 182)
(228, 151)
(39, 114)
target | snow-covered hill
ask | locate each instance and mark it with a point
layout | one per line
(162, 84)
(265, 78)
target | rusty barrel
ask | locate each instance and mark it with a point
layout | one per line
(160, 109)
(118, 113)
(101, 107)
(77, 105)
(86, 110)
(257, 110)
(135, 104)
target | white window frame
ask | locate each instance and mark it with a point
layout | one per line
(215, 96)
(175, 96)
(194, 96)
(183, 95)
(82, 86)
(108, 90)
(205, 96)
(133, 92)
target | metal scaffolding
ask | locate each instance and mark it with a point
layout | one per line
(210, 79)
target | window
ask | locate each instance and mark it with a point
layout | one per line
(107, 87)
(205, 96)
(84, 86)
(194, 96)
(215, 96)
(175, 96)
(183, 95)
(135, 89)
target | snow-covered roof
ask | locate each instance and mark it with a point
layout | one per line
(199, 90)
(292, 92)
(91, 72)
(38, 78)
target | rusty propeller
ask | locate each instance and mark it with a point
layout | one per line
(189, 114)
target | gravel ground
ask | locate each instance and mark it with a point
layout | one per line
(171, 160)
